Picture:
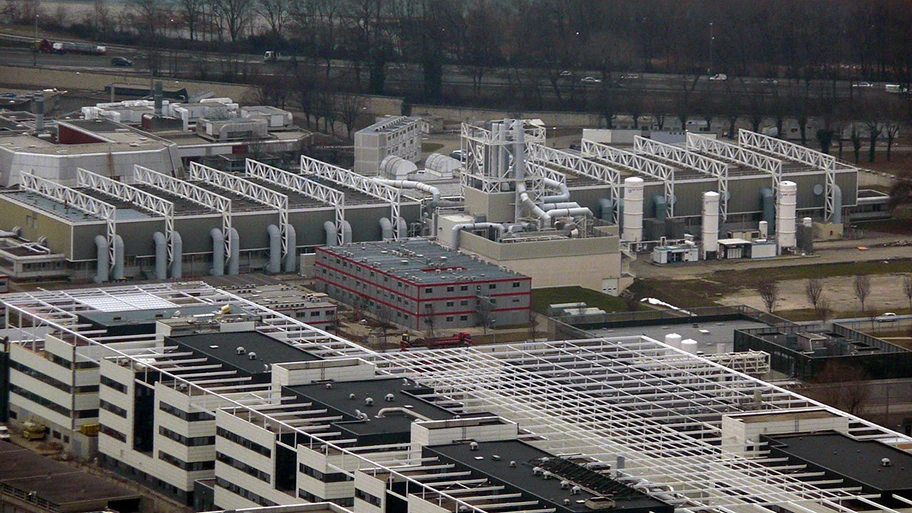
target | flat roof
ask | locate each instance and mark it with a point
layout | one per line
(71, 489)
(222, 347)
(860, 461)
(521, 476)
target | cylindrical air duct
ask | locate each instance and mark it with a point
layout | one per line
(234, 259)
(101, 246)
(519, 163)
(275, 249)
(118, 270)
(39, 111)
(218, 252)
(403, 228)
(768, 206)
(291, 256)
(785, 215)
(606, 210)
(660, 206)
(161, 255)
(177, 250)
(331, 233)
(764, 229)
(837, 205)
(633, 209)
(710, 231)
(346, 232)
(386, 229)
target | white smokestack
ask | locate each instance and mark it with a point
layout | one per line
(633, 209)
(785, 215)
(710, 231)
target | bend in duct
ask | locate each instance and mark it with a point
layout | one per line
(525, 201)
(161, 255)
(331, 233)
(218, 252)
(570, 212)
(275, 249)
(411, 184)
(346, 232)
(118, 271)
(386, 229)
(837, 205)
(560, 186)
(291, 257)
(403, 229)
(552, 206)
(101, 246)
(177, 249)
(660, 206)
(472, 226)
(234, 258)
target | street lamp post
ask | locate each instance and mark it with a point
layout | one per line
(711, 40)
(35, 49)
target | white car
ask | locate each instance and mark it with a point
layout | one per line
(4, 433)
(591, 80)
(630, 76)
(566, 73)
(721, 77)
(887, 317)
(862, 84)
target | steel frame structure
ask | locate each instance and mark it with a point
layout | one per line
(252, 191)
(797, 153)
(634, 162)
(702, 164)
(603, 398)
(300, 185)
(133, 195)
(578, 164)
(192, 193)
(481, 146)
(352, 180)
(78, 200)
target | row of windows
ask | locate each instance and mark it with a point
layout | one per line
(116, 385)
(113, 433)
(181, 414)
(31, 396)
(192, 466)
(63, 362)
(113, 408)
(331, 477)
(368, 498)
(243, 442)
(56, 383)
(243, 467)
(193, 441)
(247, 494)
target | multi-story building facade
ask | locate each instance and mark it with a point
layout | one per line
(397, 135)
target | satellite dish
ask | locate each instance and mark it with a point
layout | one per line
(818, 189)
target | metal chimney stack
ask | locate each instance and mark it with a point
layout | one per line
(39, 111)
(157, 96)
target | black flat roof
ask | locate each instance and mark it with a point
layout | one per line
(522, 478)
(859, 461)
(394, 426)
(222, 348)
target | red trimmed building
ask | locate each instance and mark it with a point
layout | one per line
(419, 284)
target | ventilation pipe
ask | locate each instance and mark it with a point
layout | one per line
(101, 246)
(764, 229)
(118, 271)
(161, 255)
(544, 219)
(291, 256)
(606, 210)
(476, 226)
(218, 252)
(403, 228)
(551, 206)
(519, 170)
(570, 212)
(411, 184)
(837, 205)
(633, 209)
(768, 205)
(710, 227)
(157, 96)
(275, 249)
(177, 250)
(562, 187)
(346, 232)
(331, 234)
(660, 206)
(386, 229)
(234, 257)
(39, 111)
(785, 215)
(402, 411)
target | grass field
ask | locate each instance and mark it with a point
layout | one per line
(541, 298)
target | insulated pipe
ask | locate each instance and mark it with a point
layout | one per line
(570, 212)
(218, 252)
(562, 187)
(234, 258)
(551, 206)
(411, 184)
(101, 246)
(291, 256)
(399, 409)
(403, 228)
(331, 234)
(472, 226)
(275, 249)
(118, 272)
(606, 210)
(661, 207)
(519, 168)
(161, 255)
(837, 205)
(526, 201)
(177, 250)
(386, 229)
(768, 205)
(346, 232)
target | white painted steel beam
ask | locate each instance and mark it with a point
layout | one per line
(634, 162)
(540, 153)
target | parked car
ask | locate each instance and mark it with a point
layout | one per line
(458, 155)
(721, 77)
(770, 81)
(887, 317)
(591, 80)
(862, 84)
(4, 433)
(121, 61)
(630, 76)
(566, 73)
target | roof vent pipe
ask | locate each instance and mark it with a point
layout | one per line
(275, 249)
(346, 232)
(291, 256)
(218, 252)
(234, 258)
(331, 234)
(564, 194)
(177, 254)
(101, 246)
(386, 228)
(836, 218)
(161, 255)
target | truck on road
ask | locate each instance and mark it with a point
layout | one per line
(45, 46)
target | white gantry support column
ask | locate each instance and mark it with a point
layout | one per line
(690, 160)
(78, 200)
(352, 180)
(542, 154)
(189, 192)
(634, 162)
(301, 185)
(250, 190)
(133, 195)
(797, 153)
(488, 153)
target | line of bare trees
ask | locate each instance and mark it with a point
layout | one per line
(814, 292)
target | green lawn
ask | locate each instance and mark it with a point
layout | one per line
(541, 298)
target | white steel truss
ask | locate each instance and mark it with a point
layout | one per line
(78, 200)
(634, 162)
(796, 153)
(190, 192)
(489, 154)
(130, 194)
(583, 166)
(301, 185)
(352, 180)
(734, 153)
(702, 164)
(249, 190)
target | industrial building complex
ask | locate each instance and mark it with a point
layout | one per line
(221, 403)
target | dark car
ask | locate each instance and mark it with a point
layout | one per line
(121, 61)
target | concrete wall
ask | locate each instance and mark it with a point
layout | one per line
(477, 116)
(36, 224)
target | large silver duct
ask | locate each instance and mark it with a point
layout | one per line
(101, 246)
(386, 229)
(218, 252)
(291, 257)
(472, 226)
(411, 184)
(768, 205)
(525, 201)
(161, 255)
(837, 205)
(275, 249)
(564, 194)
(234, 260)
(118, 271)
(331, 233)
(606, 210)
(346, 232)
(519, 166)
(177, 248)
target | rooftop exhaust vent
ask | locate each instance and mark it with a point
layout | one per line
(241, 350)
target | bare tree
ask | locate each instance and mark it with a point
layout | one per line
(813, 290)
(841, 386)
(350, 108)
(276, 13)
(901, 190)
(823, 308)
(769, 293)
(235, 14)
(191, 12)
(862, 286)
(907, 288)
(890, 131)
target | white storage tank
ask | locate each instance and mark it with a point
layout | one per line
(689, 345)
(674, 340)
(710, 231)
(764, 229)
(633, 209)
(785, 215)
(807, 221)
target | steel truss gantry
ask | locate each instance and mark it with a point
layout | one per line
(301, 185)
(133, 195)
(634, 162)
(593, 169)
(702, 164)
(190, 192)
(796, 153)
(78, 200)
(352, 180)
(489, 153)
(246, 188)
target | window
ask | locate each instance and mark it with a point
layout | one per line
(450, 303)
(113, 408)
(516, 284)
(464, 303)
(243, 442)
(243, 467)
(113, 433)
(463, 317)
(451, 289)
(449, 318)
(331, 477)
(368, 498)
(492, 285)
(428, 290)
(194, 441)
(191, 417)
(464, 288)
